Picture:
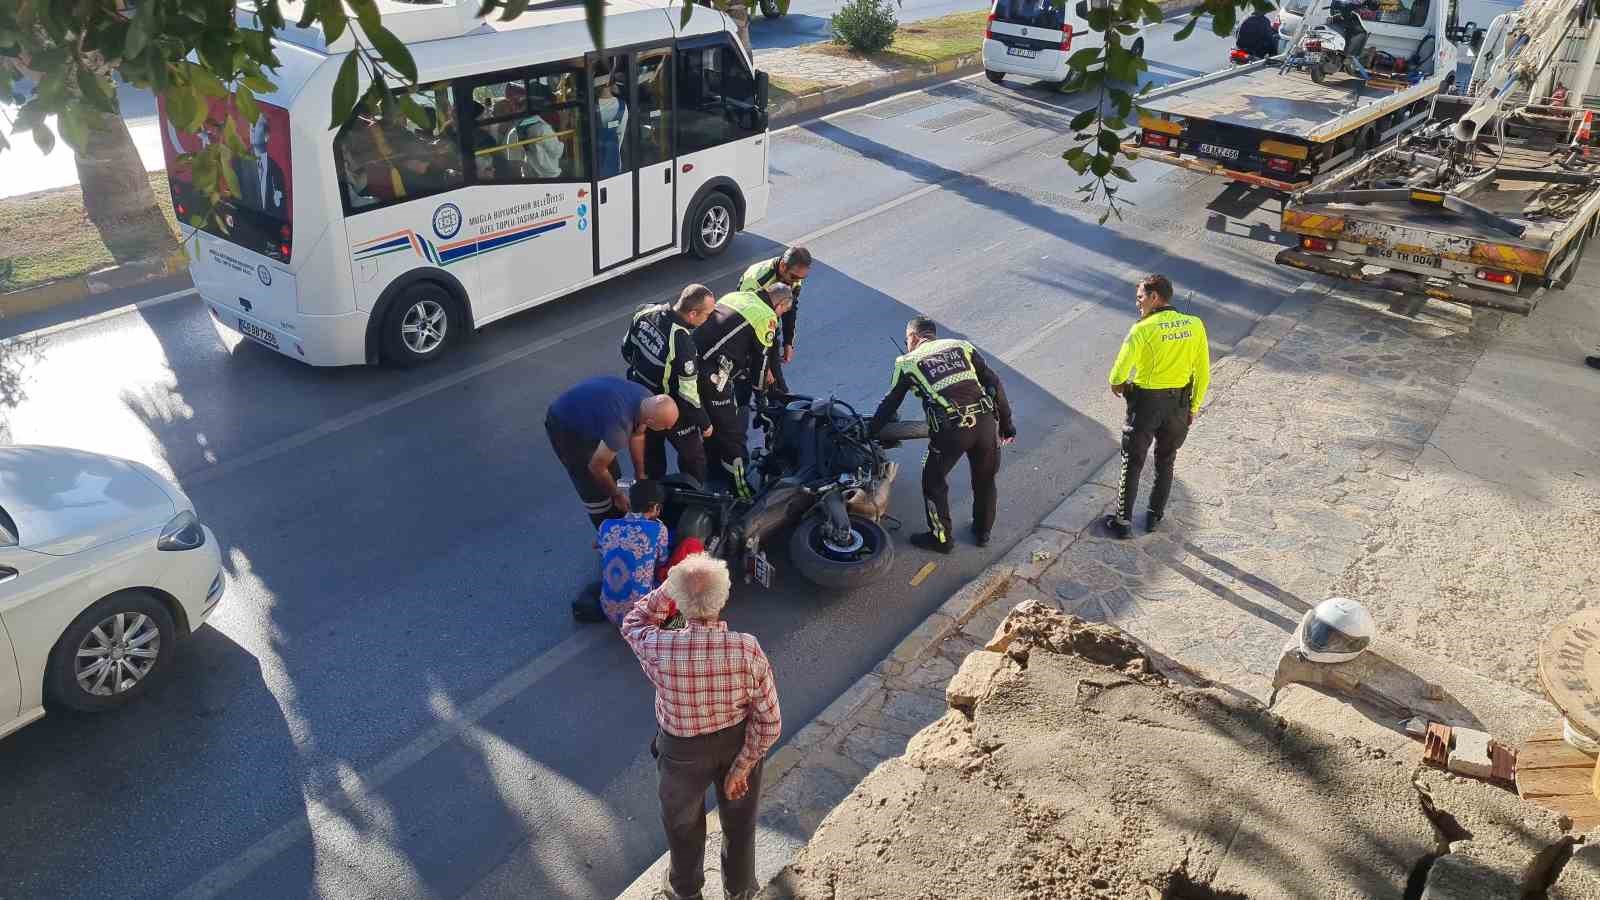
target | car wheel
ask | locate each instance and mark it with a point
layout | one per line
(770, 10)
(992, 75)
(1138, 47)
(712, 230)
(111, 653)
(421, 323)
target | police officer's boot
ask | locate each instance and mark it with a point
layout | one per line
(1118, 527)
(926, 541)
(1152, 521)
(1592, 362)
(981, 538)
(587, 607)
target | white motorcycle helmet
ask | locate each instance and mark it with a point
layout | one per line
(1335, 630)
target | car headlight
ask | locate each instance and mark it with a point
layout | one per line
(182, 533)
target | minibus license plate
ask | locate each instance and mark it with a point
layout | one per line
(1313, 57)
(256, 332)
(1415, 259)
(1023, 52)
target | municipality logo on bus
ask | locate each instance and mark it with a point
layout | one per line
(447, 221)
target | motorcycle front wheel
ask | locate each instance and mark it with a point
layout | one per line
(861, 559)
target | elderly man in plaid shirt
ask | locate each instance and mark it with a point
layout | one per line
(718, 714)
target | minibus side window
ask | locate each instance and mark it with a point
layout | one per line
(530, 126)
(716, 97)
(391, 159)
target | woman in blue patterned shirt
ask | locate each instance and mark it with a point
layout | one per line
(630, 550)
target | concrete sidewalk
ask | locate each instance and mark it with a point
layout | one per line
(1443, 469)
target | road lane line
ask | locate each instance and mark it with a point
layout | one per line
(364, 791)
(97, 317)
(1010, 357)
(372, 410)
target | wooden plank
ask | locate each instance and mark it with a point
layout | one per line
(1585, 824)
(1571, 804)
(1552, 755)
(1538, 783)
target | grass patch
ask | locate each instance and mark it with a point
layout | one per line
(789, 88)
(46, 236)
(927, 41)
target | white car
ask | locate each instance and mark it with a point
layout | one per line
(104, 570)
(1036, 38)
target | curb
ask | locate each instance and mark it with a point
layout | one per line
(833, 96)
(52, 294)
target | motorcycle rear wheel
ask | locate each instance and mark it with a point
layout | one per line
(844, 568)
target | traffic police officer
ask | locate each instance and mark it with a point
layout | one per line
(662, 356)
(962, 398)
(737, 345)
(1162, 371)
(791, 269)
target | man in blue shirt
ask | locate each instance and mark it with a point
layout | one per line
(591, 424)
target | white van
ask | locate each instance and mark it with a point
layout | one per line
(1035, 38)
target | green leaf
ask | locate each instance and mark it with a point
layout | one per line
(43, 139)
(1122, 173)
(514, 8)
(74, 130)
(245, 99)
(1082, 59)
(1079, 164)
(1115, 123)
(1100, 166)
(4, 144)
(233, 141)
(1187, 29)
(1082, 120)
(414, 112)
(309, 14)
(1222, 20)
(367, 14)
(231, 178)
(94, 90)
(31, 115)
(595, 12)
(344, 92)
(259, 84)
(1109, 142)
(207, 83)
(138, 35)
(333, 17)
(393, 52)
(688, 10)
(180, 107)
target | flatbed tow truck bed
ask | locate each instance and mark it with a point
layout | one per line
(1498, 241)
(1280, 130)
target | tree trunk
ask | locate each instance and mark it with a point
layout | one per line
(117, 194)
(740, 14)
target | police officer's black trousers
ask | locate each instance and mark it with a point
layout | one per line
(728, 448)
(980, 444)
(1160, 417)
(686, 440)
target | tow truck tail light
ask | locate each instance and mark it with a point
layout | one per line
(1316, 245)
(1238, 56)
(1285, 166)
(1496, 277)
(988, 28)
(1156, 139)
(1066, 37)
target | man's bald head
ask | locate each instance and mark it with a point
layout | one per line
(781, 296)
(658, 413)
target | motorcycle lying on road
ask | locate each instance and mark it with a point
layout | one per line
(819, 472)
(1335, 45)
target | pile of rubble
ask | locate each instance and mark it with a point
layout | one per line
(1068, 766)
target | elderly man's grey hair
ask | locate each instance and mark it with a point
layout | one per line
(699, 584)
(780, 293)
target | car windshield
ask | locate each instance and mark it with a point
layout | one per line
(8, 529)
(1029, 13)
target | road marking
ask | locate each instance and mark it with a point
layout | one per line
(923, 573)
(98, 317)
(363, 789)
(372, 410)
(1011, 356)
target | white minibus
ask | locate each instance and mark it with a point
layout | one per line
(544, 166)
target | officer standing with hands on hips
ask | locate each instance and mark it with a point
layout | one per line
(1162, 371)
(962, 398)
(791, 269)
(662, 356)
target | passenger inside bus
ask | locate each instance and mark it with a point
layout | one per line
(611, 113)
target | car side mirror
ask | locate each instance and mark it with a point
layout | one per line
(1082, 9)
(763, 90)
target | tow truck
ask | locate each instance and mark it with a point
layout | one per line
(1271, 125)
(1490, 206)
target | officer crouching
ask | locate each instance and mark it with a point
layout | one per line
(1162, 371)
(963, 399)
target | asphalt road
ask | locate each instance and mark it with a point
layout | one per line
(393, 700)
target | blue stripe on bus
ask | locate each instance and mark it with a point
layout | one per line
(504, 240)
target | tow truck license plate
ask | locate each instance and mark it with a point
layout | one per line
(1415, 259)
(1023, 52)
(256, 332)
(1313, 57)
(1216, 152)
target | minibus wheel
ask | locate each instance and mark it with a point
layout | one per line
(713, 224)
(421, 322)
